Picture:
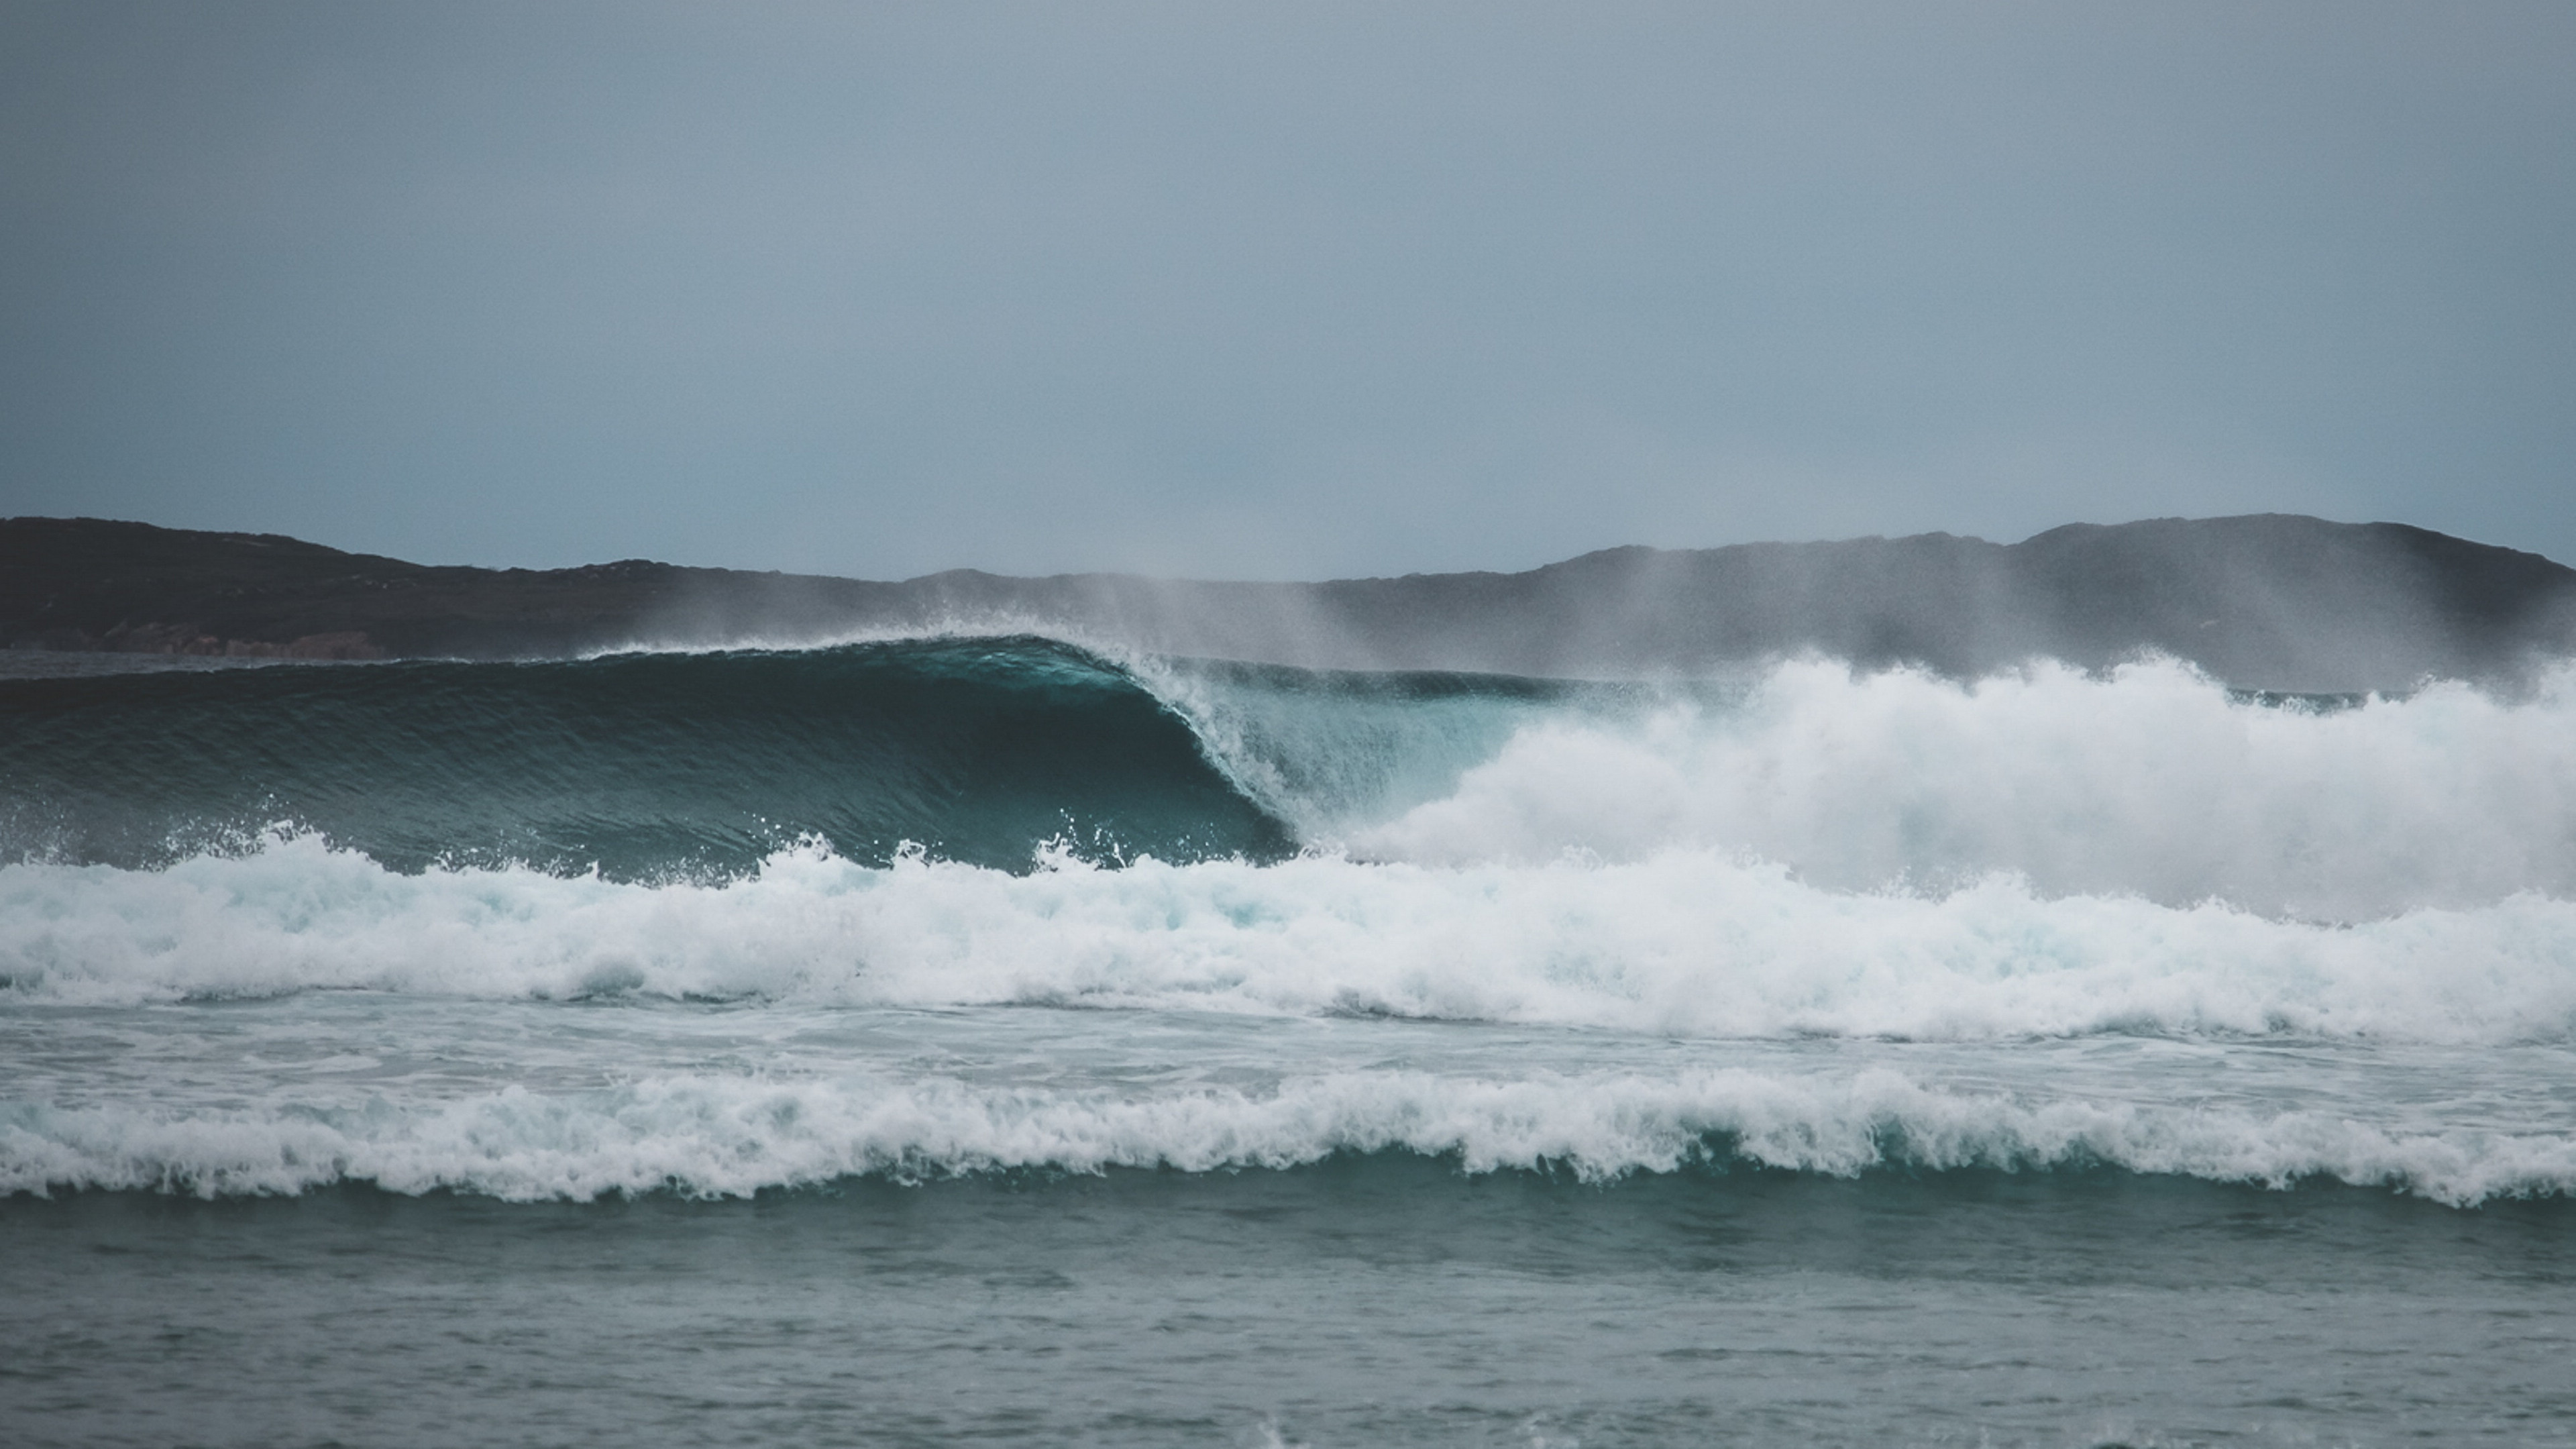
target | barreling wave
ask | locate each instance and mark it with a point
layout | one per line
(640, 766)
(1683, 943)
(2150, 780)
(732, 1136)
(1803, 855)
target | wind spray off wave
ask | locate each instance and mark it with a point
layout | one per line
(725, 923)
(2150, 780)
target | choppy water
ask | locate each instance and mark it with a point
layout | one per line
(956, 1039)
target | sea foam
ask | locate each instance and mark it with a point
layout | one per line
(719, 1136)
(1686, 942)
(2152, 780)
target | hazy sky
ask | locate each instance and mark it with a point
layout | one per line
(1286, 290)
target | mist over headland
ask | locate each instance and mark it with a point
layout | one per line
(2268, 601)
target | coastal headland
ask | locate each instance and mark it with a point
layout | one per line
(2267, 601)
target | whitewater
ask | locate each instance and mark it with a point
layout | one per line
(957, 1024)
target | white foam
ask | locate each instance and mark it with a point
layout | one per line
(2153, 780)
(734, 1136)
(1683, 942)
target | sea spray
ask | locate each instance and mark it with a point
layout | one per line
(2150, 779)
(839, 1033)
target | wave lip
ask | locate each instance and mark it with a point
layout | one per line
(712, 1136)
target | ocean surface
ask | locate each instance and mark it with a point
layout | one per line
(1003, 1040)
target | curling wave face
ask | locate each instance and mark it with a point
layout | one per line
(2150, 781)
(1806, 919)
(640, 766)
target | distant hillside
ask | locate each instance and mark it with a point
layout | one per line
(87, 583)
(2266, 601)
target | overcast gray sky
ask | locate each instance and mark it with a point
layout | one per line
(1290, 290)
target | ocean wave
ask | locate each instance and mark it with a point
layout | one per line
(731, 1136)
(2149, 780)
(1682, 942)
(2152, 780)
(643, 766)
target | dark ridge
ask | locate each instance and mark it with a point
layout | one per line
(96, 584)
(2269, 601)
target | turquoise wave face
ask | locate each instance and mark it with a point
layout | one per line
(983, 751)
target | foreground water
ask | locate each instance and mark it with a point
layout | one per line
(947, 1041)
(1361, 1301)
(1335, 1230)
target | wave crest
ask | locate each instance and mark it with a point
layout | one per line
(733, 1137)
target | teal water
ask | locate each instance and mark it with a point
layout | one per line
(638, 765)
(963, 1041)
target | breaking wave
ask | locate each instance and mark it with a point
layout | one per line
(731, 1136)
(1682, 942)
(1799, 855)
(2150, 781)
